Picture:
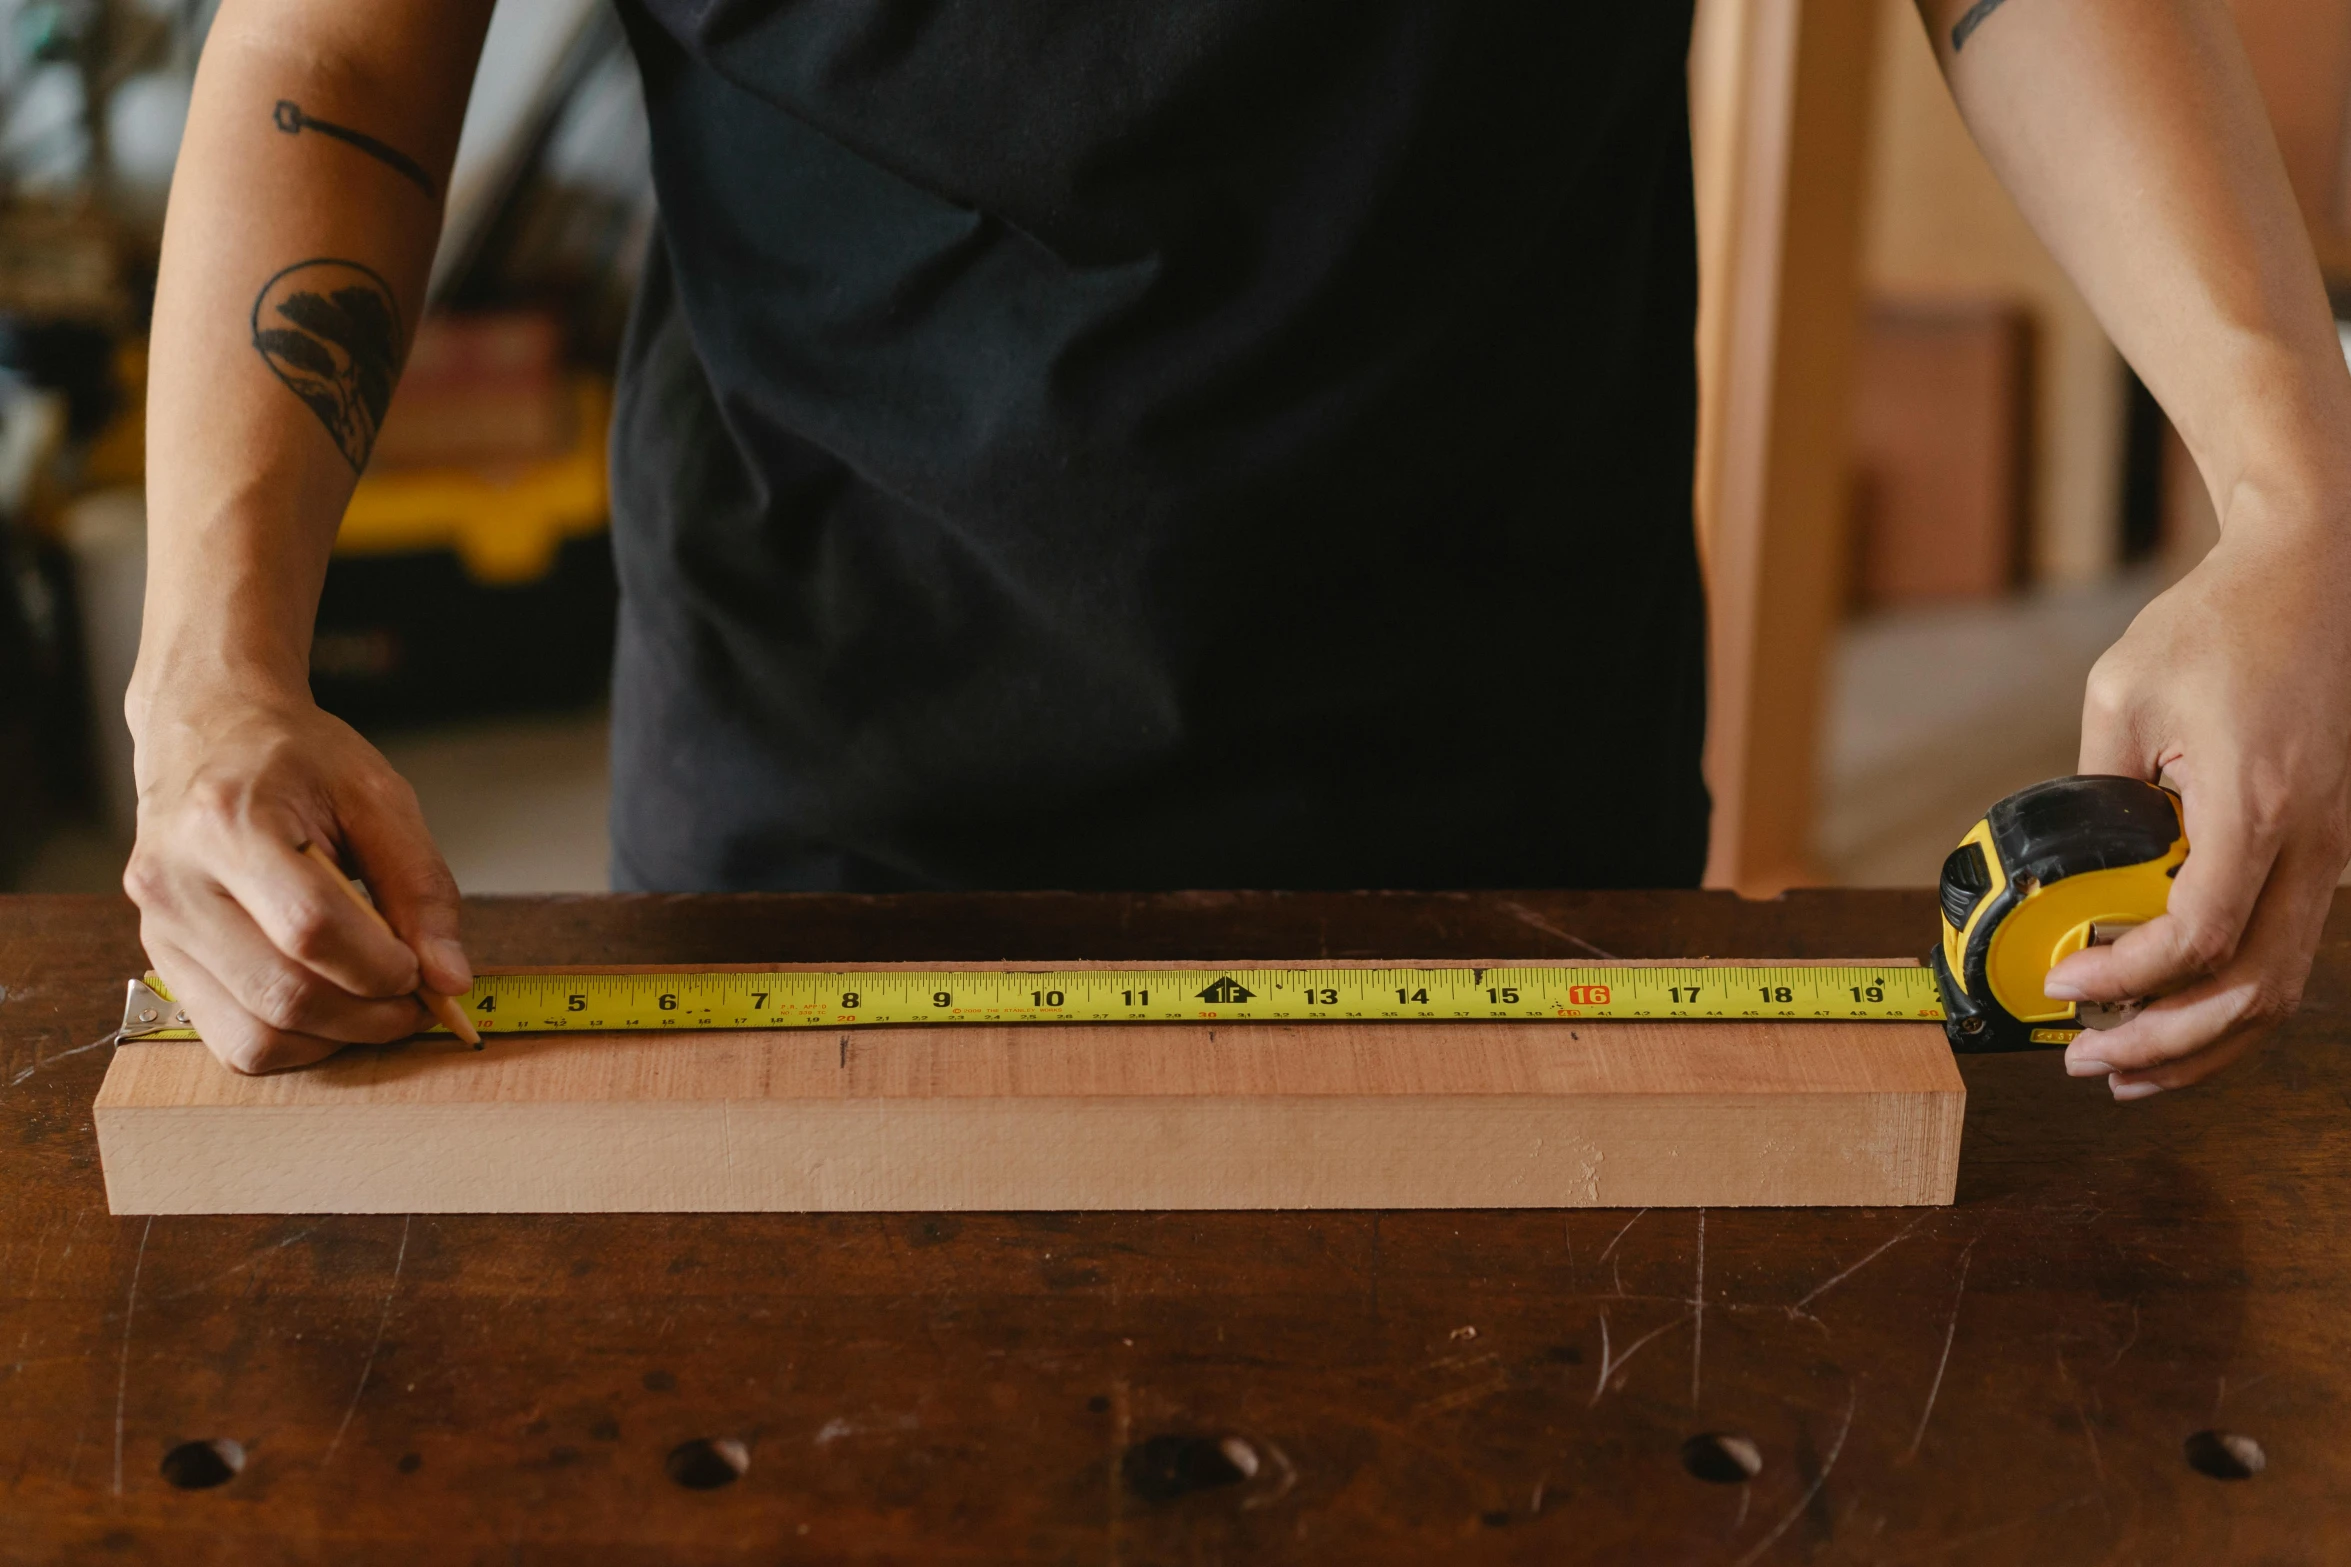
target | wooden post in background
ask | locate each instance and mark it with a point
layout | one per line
(2301, 54)
(1781, 112)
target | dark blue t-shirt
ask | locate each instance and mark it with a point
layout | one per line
(1190, 443)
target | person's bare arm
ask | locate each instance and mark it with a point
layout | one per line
(301, 227)
(2133, 137)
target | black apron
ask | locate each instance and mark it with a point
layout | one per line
(1160, 443)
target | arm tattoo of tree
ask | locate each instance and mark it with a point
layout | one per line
(331, 331)
(1970, 20)
(290, 119)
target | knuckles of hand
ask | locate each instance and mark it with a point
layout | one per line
(2206, 946)
(146, 883)
(2264, 1003)
(307, 930)
(2331, 841)
(2110, 693)
(252, 1053)
(286, 999)
(382, 787)
(218, 808)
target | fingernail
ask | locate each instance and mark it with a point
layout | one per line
(2085, 1066)
(2126, 1092)
(449, 958)
(2058, 990)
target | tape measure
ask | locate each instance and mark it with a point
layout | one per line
(2050, 870)
(539, 1002)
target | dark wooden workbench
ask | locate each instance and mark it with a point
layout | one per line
(2009, 1380)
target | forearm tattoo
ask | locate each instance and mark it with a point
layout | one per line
(331, 330)
(1971, 19)
(294, 122)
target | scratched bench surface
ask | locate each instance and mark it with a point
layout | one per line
(2028, 1376)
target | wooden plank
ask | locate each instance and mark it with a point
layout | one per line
(1777, 324)
(1463, 1115)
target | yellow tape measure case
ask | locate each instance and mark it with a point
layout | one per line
(2043, 875)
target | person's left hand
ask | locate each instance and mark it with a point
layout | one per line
(2234, 688)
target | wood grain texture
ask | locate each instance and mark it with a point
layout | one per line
(2009, 1379)
(1452, 1115)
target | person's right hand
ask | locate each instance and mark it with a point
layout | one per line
(275, 964)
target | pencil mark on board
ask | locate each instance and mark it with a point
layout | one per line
(61, 1055)
(1611, 1363)
(1615, 1266)
(2129, 1339)
(32, 1285)
(367, 1366)
(1960, 1542)
(236, 1268)
(2220, 1396)
(1284, 1481)
(1529, 918)
(1875, 1252)
(1609, 1250)
(840, 1426)
(2089, 1432)
(331, 331)
(1836, 1446)
(1498, 1381)
(1121, 1435)
(1698, 1310)
(1950, 1330)
(288, 117)
(122, 1376)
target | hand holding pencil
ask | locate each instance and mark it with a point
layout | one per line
(444, 1008)
(238, 780)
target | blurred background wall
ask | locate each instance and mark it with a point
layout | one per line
(1995, 494)
(466, 623)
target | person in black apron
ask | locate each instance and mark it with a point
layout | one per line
(1230, 443)
(1226, 444)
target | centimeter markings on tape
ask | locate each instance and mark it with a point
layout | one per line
(728, 999)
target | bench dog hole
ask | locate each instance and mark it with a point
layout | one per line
(199, 1466)
(706, 1463)
(1162, 1468)
(2225, 1455)
(1722, 1457)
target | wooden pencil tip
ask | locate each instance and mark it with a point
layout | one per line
(452, 1016)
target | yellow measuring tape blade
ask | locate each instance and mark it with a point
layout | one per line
(855, 998)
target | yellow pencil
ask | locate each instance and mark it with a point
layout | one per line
(445, 1008)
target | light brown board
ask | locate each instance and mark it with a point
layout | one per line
(1040, 1117)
